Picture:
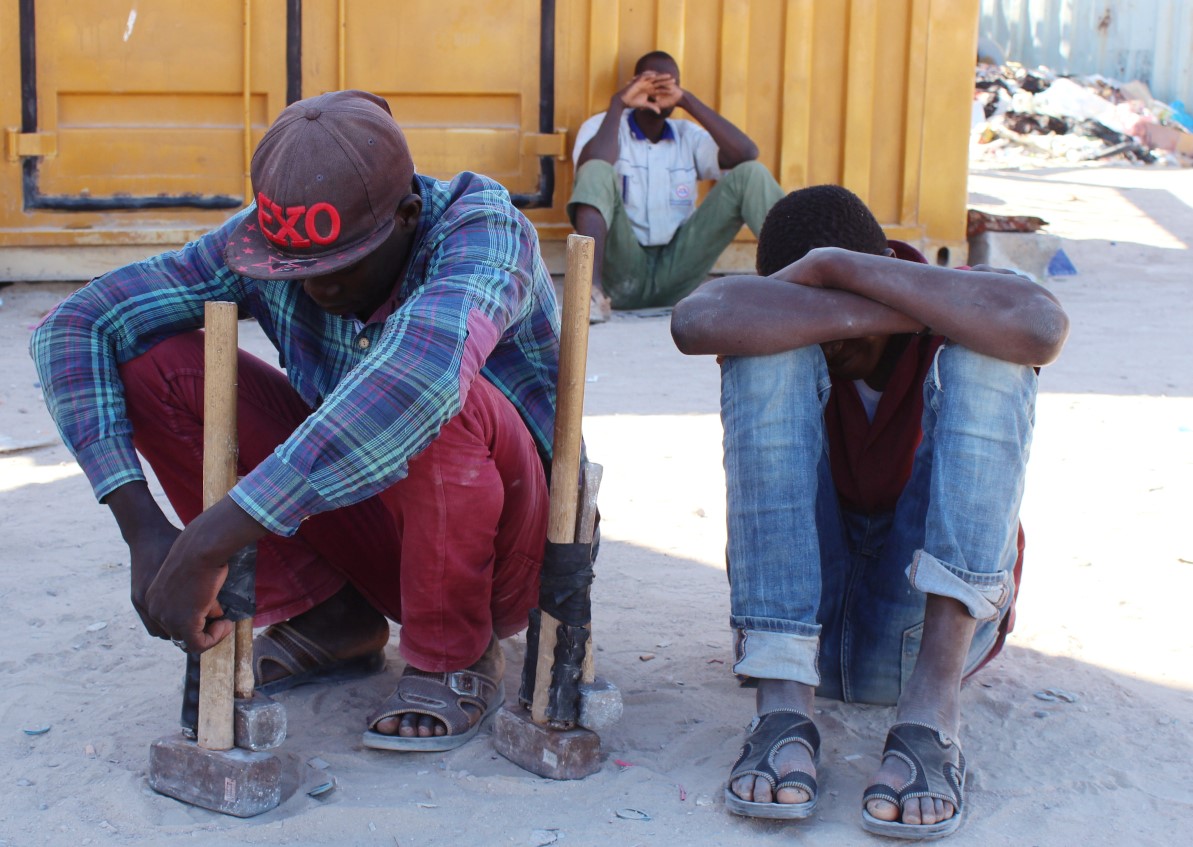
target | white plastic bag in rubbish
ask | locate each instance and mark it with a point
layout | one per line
(1068, 99)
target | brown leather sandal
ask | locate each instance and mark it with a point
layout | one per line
(305, 661)
(443, 697)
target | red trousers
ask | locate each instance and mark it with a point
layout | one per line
(452, 551)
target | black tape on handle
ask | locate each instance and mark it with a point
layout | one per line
(238, 594)
(563, 698)
(530, 664)
(190, 697)
(565, 582)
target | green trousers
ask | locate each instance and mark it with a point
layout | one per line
(637, 277)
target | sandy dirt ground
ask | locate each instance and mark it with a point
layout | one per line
(1103, 616)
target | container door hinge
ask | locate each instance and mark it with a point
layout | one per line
(545, 144)
(19, 145)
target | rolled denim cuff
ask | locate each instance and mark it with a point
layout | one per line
(984, 594)
(765, 654)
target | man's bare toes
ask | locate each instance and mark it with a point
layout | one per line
(793, 795)
(883, 810)
(408, 726)
(937, 812)
(743, 788)
(387, 726)
(762, 791)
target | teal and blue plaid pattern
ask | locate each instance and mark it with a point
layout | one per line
(476, 298)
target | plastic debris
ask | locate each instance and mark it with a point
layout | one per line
(323, 789)
(1061, 265)
(1023, 114)
(40, 730)
(622, 763)
(1052, 695)
(632, 815)
(97, 626)
(543, 837)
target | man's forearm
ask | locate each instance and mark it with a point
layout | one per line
(1001, 315)
(604, 145)
(136, 512)
(733, 145)
(760, 316)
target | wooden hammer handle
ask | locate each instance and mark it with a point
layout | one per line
(565, 453)
(569, 394)
(219, 476)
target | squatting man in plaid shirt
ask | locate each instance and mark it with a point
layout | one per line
(394, 469)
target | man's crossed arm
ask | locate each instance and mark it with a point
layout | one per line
(832, 294)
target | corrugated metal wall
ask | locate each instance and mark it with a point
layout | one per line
(1151, 40)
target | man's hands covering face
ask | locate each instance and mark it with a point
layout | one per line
(652, 91)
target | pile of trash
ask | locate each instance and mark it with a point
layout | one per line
(1034, 116)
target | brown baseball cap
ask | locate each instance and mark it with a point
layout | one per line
(327, 179)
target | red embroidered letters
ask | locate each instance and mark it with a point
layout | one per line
(298, 226)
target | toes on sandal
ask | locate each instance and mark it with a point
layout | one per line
(767, 735)
(443, 697)
(305, 661)
(937, 772)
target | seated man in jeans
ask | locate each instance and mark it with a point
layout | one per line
(635, 192)
(878, 414)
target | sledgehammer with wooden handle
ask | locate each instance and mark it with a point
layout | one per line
(558, 682)
(210, 771)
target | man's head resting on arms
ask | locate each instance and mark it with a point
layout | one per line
(336, 206)
(826, 216)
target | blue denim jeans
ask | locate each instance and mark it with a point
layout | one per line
(834, 599)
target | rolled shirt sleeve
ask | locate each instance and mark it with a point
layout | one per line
(79, 347)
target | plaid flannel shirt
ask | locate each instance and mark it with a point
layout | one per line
(475, 298)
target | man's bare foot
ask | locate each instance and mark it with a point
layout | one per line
(931, 698)
(774, 695)
(600, 309)
(897, 773)
(414, 725)
(342, 631)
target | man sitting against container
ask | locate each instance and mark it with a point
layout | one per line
(395, 470)
(635, 192)
(878, 414)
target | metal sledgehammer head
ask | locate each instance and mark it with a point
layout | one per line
(555, 754)
(235, 782)
(258, 723)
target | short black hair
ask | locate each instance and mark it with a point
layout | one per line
(653, 54)
(817, 216)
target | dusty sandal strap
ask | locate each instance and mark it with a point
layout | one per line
(285, 646)
(440, 695)
(937, 768)
(768, 735)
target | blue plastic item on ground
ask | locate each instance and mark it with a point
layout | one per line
(1061, 265)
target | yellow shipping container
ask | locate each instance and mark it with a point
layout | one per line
(128, 126)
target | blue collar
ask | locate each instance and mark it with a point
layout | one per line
(639, 135)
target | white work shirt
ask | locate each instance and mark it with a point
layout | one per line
(658, 180)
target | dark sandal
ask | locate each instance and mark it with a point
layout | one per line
(937, 771)
(768, 734)
(305, 661)
(443, 697)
